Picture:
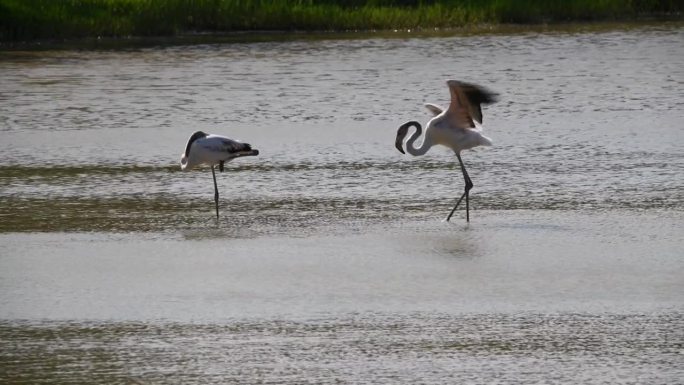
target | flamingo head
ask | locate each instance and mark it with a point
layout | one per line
(184, 162)
(403, 131)
(401, 134)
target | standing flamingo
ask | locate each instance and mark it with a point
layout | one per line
(458, 127)
(213, 149)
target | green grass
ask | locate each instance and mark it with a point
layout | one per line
(63, 19)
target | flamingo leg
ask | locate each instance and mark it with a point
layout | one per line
(466, 194)
(216, 194)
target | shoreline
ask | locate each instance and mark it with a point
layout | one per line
(257, 36)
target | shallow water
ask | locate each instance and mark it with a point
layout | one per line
(585, 121)
(534, 261)
(521, 296)
(415, 348)
(331, 261)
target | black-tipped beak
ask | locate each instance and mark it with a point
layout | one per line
(401, 134)
(398, 145)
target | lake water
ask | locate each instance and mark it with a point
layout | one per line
(331, 261)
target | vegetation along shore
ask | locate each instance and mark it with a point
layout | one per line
(25, 20)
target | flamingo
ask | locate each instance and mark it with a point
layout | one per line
(458, 127)
(213, 149)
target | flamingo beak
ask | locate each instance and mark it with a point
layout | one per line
(401, 134)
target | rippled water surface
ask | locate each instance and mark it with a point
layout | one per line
(330, 262)
(437, 349)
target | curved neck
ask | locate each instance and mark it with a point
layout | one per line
(424, 147)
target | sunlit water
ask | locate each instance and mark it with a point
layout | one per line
(331, 261)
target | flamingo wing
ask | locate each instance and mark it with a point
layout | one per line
(234, 148)
(466, 100)
(435, 109)
(221, 144)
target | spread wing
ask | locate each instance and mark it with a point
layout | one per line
(466, 103)
(435, 109)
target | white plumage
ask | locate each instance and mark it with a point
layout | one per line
(211, 150)
(458, 127)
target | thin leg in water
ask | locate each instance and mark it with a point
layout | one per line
(216, 194)
(468, 186)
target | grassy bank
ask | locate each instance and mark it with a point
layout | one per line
(63, 19)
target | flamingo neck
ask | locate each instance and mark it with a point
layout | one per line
(424, 147)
